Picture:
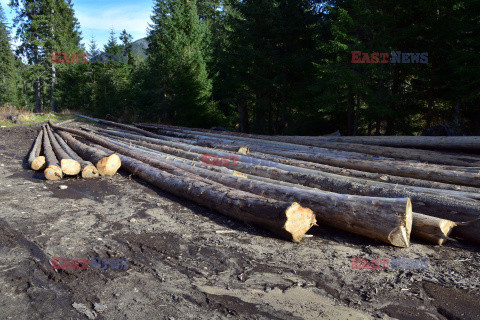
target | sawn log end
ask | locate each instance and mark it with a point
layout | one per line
(299, 221)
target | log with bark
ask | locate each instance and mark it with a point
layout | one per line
(35, 161)
(442, 201)
(89, 171)
(384, 151)
(466, 143)
(259, 157)
(53, 171)
(69, 166)
(469, 231)
(107, 164)
(289, 220)
(470, 144)
(431, 229)
(446, 174)
(455, 175)
(388, 220)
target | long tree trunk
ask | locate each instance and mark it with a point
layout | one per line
(88, 169)
(388, 220)
(259, 157)
(69, 166)
(53, 170)
(428, 228)
(455, 143)
(35, 161)
(455, 175)
(333, 183)
(107, 164)
(53, 101)
(289, 220)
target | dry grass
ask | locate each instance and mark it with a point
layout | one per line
(22, 115)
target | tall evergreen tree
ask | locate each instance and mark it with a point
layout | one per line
(271, 52)
(44, 27)
(178, 50)
(126, 39)
(9, 76)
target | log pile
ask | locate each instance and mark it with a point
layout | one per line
(384, 188)
(59, 159)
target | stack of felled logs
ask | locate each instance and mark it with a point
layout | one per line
(52, 155)
(386, 189)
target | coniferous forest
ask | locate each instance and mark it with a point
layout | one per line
(301, 67)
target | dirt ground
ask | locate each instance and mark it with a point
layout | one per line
(187, 262)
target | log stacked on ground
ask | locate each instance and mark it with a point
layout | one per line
(88, 169)
(388, 220)
(460, 202)
(354, 160)
(107, 164)
(328, 142)
(256, 158)
(471, 143)
(35, 161)
(287, 219)
(315, 175)
(69, 166)
(53, 171)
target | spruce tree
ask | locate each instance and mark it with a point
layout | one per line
(44, 27)
(178, 51)
(8, 72)
(270, 54)
(126, 39)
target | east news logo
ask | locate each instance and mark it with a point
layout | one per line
(383, 57)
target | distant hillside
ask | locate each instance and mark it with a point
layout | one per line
(139, 48)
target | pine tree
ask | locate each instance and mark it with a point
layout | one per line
(178, 51)
(8, 72)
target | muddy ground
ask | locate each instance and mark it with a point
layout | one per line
(187, 262)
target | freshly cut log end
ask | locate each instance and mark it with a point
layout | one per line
(34, 155)
(400, 236)
(53, 173)
(108, 166)
(70, 167)
(299, 221)
(90, 172)
(431, 229)
(39, 163)
(243, 150)
(239, 174)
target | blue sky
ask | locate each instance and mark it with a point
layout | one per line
(98, 17)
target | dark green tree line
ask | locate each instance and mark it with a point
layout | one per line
(265, 66)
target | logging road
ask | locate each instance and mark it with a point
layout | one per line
(187, 262)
